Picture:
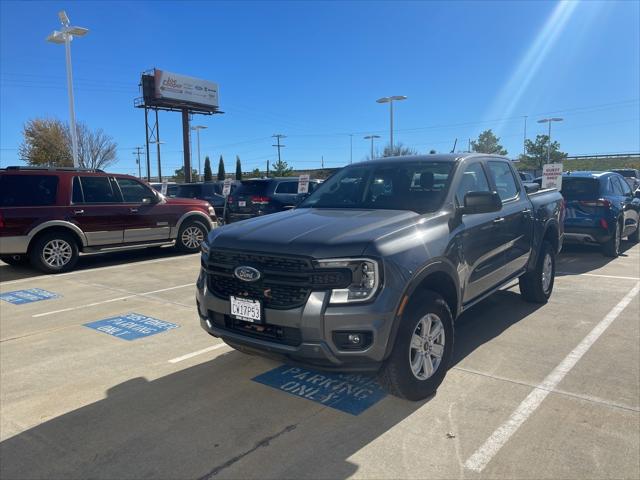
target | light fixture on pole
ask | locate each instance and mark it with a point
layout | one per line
(197, 128)
(372, 138)
(549, 121)
(390, 100)
(64, 37)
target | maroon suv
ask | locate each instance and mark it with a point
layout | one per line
(49, 215)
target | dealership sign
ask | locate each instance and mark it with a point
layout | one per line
(180, 88)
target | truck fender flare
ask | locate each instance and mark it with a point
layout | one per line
(439, 265)
(59, 223)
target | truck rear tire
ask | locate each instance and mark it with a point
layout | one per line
(536, 286)
(54, 252)
(422, 351)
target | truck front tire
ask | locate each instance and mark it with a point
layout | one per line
(191, 234)
(422, 351)
(536, 286)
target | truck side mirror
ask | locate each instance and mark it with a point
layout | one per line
(481, 202)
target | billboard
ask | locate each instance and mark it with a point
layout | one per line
(174, 89)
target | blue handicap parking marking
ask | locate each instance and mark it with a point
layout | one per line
(349, 392)
(20, 297)
(130, 326)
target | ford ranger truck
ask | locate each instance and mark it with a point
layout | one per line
(370, 271)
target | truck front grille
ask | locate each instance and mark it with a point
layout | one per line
(285, 281)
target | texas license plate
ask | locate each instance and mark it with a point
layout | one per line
(242, 203)
(246, 309)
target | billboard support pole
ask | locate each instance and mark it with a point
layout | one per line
(185, 145)
(146, 134)
(158, 147)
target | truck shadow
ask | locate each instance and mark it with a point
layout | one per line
(108, 259)
(211, 420)
(576, 258)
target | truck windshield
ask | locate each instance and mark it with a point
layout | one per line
(416, 186)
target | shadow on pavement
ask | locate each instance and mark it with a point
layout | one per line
(577, 258)
(9, 272)
(211, 419)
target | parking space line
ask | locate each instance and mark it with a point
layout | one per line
(199, 352)
(483, 455)
(88, 270)
(598, 275)
(110, 300)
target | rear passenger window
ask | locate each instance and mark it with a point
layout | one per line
(76, 196)
(287, 187)
(97, 190)
(504, 180)
(28, 190)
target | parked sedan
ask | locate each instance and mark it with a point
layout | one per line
(601, 209)
(264, 196)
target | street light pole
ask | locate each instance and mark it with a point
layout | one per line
(197, 128)
(372, 138)
(65, 36)
(549, 121)
(390, 101)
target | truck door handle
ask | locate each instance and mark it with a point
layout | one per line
(133, 210)
(78, 212)
(498, 220)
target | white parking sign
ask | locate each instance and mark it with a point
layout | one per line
(226, 187)
(303, 184)
(552, 175)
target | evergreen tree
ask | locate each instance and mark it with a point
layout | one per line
(487, 142)
(221, 173)
(208, 174)
(238, 168)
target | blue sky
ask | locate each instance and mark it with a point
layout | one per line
(313, 70)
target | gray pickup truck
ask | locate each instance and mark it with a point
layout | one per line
(370, 271)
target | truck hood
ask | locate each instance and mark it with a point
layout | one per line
(318, 233)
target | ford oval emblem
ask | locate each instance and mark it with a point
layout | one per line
(247, 274)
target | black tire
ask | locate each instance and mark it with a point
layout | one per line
(635, 236)
(612, 247)
(397, 375)
(186, 242)
(14, 259)
(533, 285)
(42, 252)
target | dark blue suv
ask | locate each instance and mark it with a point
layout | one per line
(600, 209)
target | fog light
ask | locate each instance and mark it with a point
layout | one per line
(352, 340)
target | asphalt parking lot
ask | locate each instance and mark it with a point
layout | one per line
(547, 391)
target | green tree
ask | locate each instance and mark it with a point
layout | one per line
(536, 153)
(256, 172)
(487, 142)
(46, 142)
(221, 174)
(238, 168)
(281, 169)
(178, 175)
(208, 174)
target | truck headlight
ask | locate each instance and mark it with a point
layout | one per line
(365, 279)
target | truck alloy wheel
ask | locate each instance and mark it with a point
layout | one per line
(57, 253)
(427, 346)
(190, 236)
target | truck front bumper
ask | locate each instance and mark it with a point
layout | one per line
(303, 335)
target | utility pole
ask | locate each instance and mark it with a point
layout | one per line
(351, 145)
(469, 147)
(278, 136)
(267, 168)
(322, 161)
(524, 141)
(138, 161)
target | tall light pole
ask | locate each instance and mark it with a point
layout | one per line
(158, 143)
(65, 36)
(524, 140)
(372, 138)
(549, 121)
(197, 128)
(390, 100)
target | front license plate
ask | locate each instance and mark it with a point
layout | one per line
(242, 203)
(246, 309)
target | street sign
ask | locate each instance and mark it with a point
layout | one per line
(130, 326)
(164, 187)
(552, 175)
(20, 297)
(303, 184)
(349, 392)
(226, 187)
